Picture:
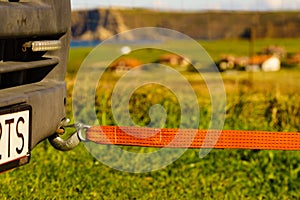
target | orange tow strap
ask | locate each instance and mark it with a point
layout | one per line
(190, 138)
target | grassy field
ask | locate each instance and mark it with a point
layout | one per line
(270, 102)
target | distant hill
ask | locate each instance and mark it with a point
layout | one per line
(100, 24)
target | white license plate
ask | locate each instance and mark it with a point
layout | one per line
(14, 136)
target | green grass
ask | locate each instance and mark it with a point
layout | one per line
(270, 103)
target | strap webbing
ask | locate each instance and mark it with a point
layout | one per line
(190, 138)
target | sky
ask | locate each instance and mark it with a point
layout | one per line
(190, 5)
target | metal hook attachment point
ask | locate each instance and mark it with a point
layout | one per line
(82, 131)
(68, 144)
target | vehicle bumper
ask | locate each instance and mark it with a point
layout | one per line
(47, 99)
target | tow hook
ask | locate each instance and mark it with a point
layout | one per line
(70, 143)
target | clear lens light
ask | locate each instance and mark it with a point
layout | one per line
(46, 45)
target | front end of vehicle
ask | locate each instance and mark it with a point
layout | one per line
(34, 44)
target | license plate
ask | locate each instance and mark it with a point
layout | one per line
(15, 128)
